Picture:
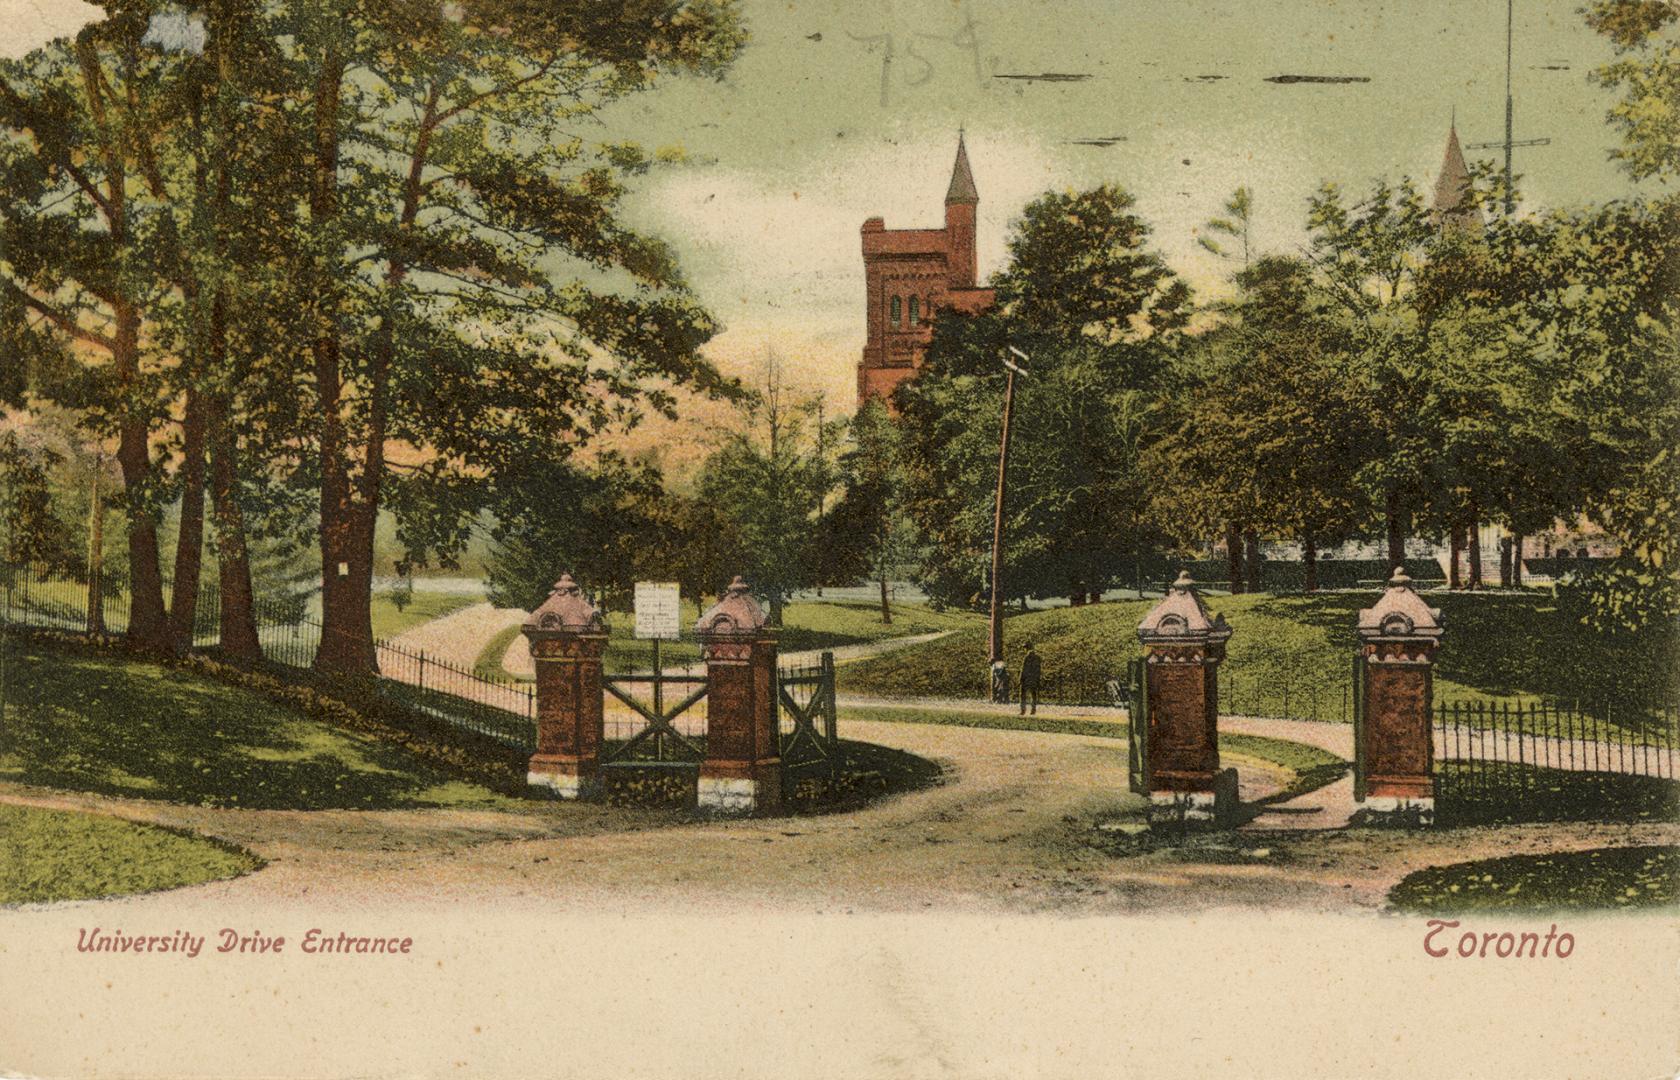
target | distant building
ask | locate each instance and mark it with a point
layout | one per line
(1453, 208)
(910, 275)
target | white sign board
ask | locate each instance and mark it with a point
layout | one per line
(658, 610)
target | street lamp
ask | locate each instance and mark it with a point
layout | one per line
(997, 512)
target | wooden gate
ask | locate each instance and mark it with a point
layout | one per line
(807, 717)
(1358, 727)
(1137, 729)
(642, 731)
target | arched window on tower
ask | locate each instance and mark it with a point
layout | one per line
(897, 310)
(915, 310)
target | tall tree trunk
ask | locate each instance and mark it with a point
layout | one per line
(1516, 560)
(1455, 578)
(1475, 546)
(1234, 556)
(886, 607)
(96, 550)
(1309, 563)
(1504, 562)
(1396, 528)
(346, 623)
(148, 625)
(189, 543)
(1251, 556)
(238, 614)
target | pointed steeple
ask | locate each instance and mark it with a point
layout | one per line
(1453, 208)
(962, 180)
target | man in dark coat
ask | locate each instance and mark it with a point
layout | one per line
(1030, 670)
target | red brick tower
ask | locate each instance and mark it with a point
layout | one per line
(911, 274)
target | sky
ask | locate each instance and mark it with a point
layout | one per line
(840, 110)
(816, 129)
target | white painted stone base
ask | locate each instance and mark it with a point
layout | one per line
(1399, 806)
(1195, 805)
(563, 785)
(728, 794)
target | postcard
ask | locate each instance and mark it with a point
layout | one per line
(936, 538)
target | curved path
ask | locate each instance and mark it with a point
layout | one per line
(1022, 822)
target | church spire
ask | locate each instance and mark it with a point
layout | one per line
(1453, 207)
(962, 180)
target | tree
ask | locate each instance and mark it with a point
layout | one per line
(1269, 425)
(868, 533)
(79, 235)
(1367, 255)
(768, 478)
(1647, 71)
(457, 239)
(32, 530)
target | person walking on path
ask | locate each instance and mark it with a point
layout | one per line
(1030, 670)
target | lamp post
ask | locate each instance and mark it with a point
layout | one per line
(996, 644)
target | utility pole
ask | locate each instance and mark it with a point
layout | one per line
(1510, 142)
(997, 512)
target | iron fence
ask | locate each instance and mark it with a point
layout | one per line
(1503, 749)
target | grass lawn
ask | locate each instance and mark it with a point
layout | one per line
(1291, 655)
(1601, 879)
(61, 855)
(807, 624)
(422, 607)
(120, 727)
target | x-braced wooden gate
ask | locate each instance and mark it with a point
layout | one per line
(645, 732)
(808, 716)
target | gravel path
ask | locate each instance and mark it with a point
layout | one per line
(1017, 825)
(458, 638)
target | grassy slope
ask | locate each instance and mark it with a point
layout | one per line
(59, 855)
(1605, 878)
(1497, 645)
(135, 729)
(808, 624)
(425, 606)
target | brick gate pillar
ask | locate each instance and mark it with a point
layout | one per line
(1398, 637)
(743, 770)
(1182, 648)
(567, 636)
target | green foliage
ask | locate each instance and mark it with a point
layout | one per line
(30, 529)
(768, 479)
(1602, 879)
(868, 534)
(1095, 309)
(53, 855)
(1647, 72)
(1269, 422)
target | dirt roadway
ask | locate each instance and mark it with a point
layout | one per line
(1014, 827)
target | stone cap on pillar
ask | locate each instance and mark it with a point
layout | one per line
(1400, 615)
(737, 615)
(1181, 617)
(566, 612)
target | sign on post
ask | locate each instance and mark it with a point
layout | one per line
(657, 611)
